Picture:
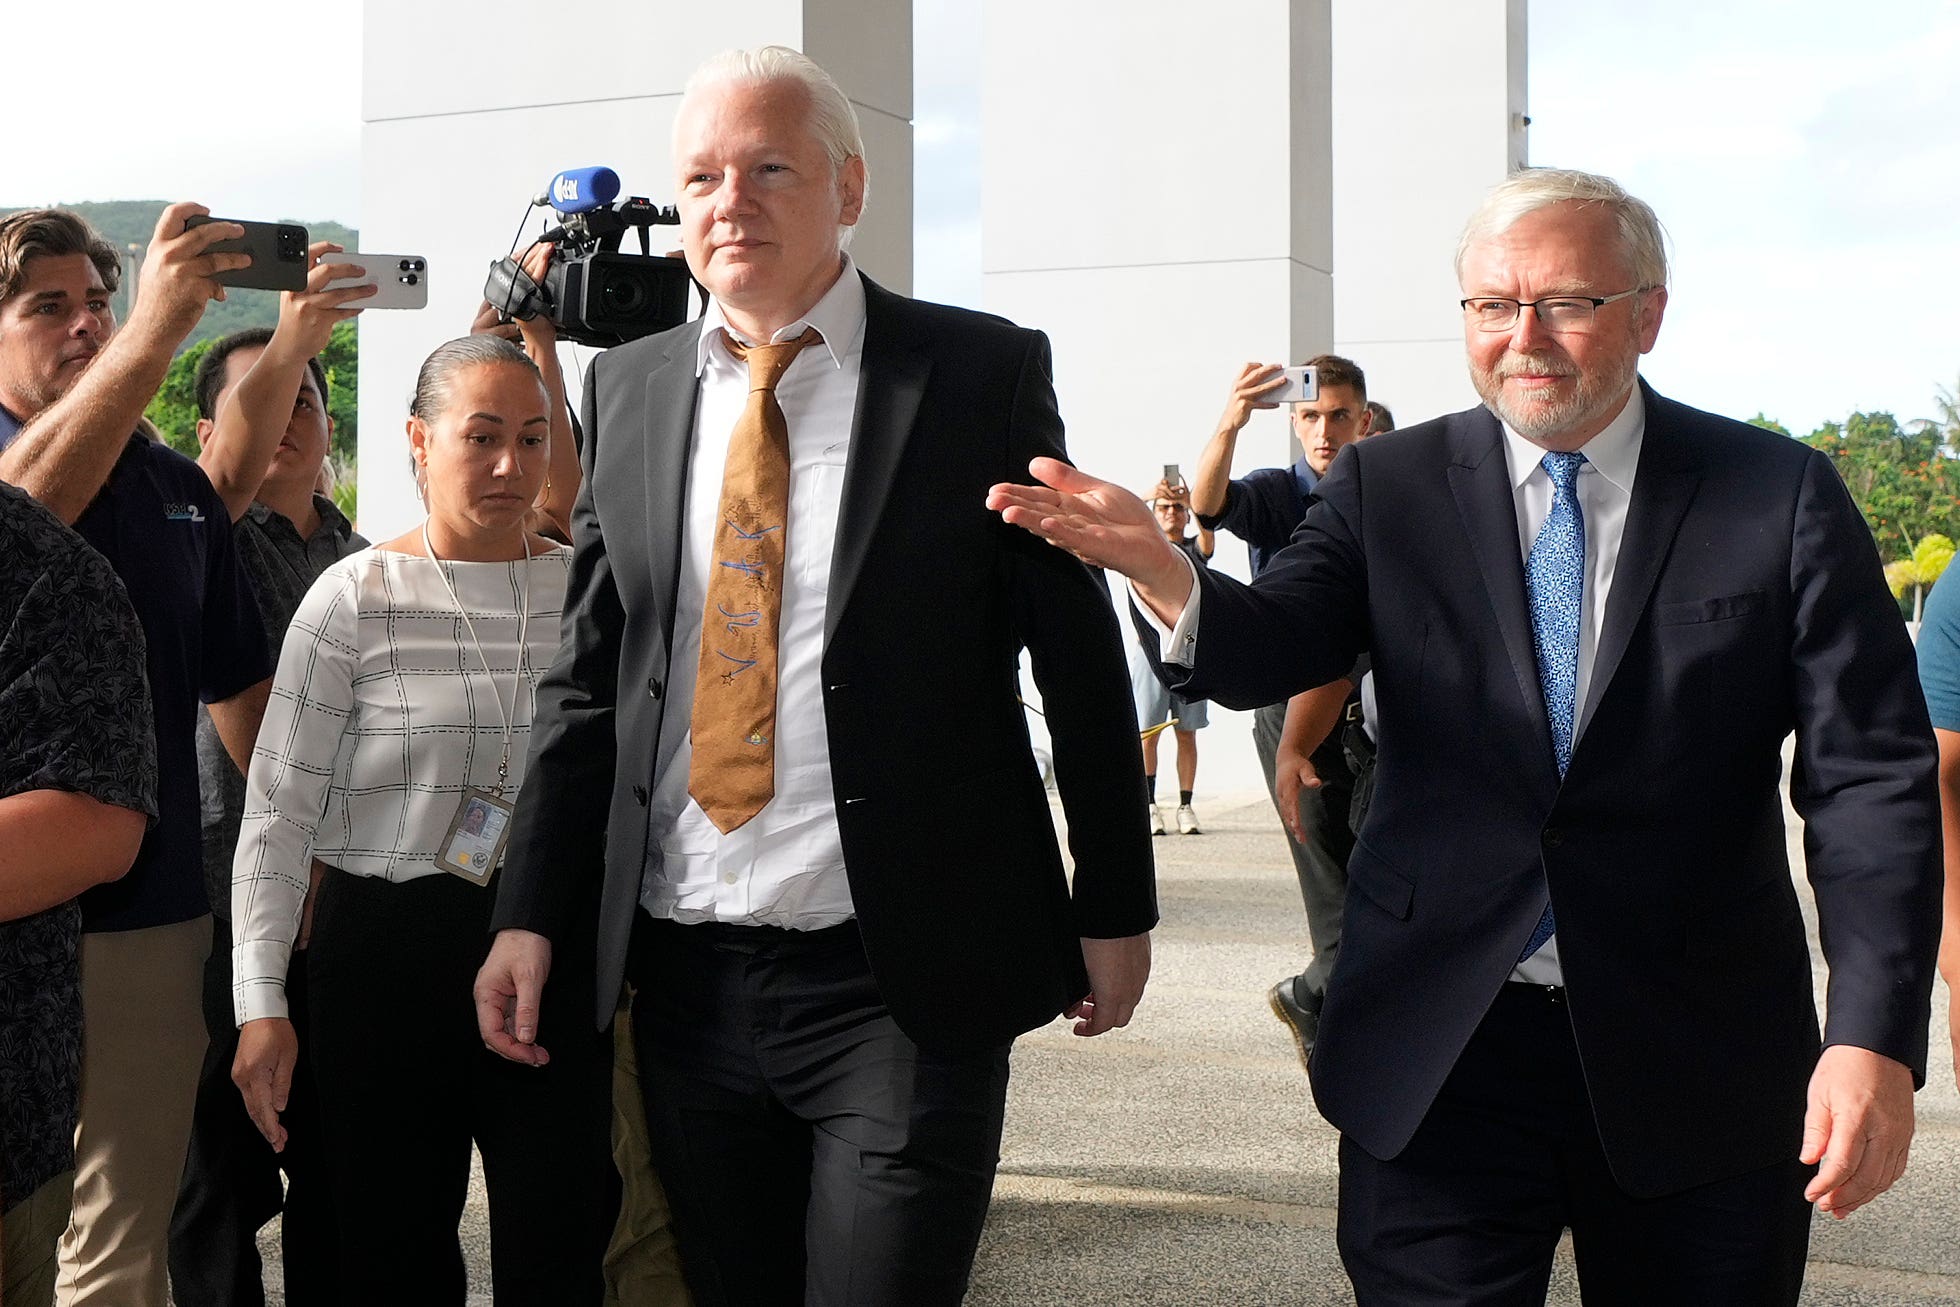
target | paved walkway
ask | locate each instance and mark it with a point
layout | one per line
(1180, 1162)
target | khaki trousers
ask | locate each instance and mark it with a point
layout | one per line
(33, 1227)
(142, 1044)
(643, 1265)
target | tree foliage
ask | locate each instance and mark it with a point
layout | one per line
(1903, 478)
(174, 410)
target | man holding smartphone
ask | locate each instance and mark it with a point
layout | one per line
(72, 389)
(1263, 508)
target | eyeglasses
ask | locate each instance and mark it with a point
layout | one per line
(1555, 313)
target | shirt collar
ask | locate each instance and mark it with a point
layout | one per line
(9, 427)
(1614, 453)
(333, 522)
(839, 315)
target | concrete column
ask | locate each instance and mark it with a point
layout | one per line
(1155, 198)
(1155, 186)
(467, 112)
(1429, 113)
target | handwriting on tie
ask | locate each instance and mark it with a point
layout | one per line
(740, 665)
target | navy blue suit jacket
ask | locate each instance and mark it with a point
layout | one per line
(1748, 603)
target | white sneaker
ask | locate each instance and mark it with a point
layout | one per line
(1187, 820)
(1156, 820)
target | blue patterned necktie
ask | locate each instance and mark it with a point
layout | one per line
(1555, 579)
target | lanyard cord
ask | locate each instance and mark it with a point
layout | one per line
(523, 649)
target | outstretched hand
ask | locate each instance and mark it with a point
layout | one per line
(1102, 524)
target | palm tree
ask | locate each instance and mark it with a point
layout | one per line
(1917, 573)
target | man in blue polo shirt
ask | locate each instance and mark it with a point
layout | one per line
(1939, 677)
(72, 390)
(1263, 508)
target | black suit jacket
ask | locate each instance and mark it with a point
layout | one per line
(1748, 602)
(968, 917)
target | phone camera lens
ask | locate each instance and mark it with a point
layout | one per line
(410, 280)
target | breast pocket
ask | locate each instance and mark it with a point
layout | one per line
(1722, 609)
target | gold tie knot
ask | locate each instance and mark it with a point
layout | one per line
(767, 363)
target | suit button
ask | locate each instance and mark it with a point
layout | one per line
(653, 687)
(640, 793)
(1553, 837)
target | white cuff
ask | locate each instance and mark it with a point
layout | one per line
(258, 987)
(1176, 645)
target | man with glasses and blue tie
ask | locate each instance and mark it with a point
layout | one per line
(1574, 990)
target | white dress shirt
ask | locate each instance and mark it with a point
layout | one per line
(381, 718)
(1605, 488)
(784, 866)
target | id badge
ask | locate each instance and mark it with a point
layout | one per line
(474, 846)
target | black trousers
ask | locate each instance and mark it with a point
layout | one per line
(231, 1183)
(1509, 1157)
(406, 1084)
(813, 1153)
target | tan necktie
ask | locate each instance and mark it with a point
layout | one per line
(734, 769)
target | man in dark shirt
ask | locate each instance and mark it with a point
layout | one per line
(263, 424)
(77, 779)
(1263, 508)
(72, 389)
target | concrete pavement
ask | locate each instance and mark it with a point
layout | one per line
(1180, 1162)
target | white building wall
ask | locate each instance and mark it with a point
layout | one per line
(469, 108)
(1155, 198)
(1429, 113)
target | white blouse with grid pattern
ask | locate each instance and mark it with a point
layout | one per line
(381, 717)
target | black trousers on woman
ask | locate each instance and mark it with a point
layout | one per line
(406, 1084)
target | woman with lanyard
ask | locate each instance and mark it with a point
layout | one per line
(390, 757)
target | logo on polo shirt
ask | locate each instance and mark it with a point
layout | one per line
(182, 513)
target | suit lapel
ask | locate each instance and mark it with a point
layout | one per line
(1662, 490)
(1480, 481)
(894, 370)
(671, 394)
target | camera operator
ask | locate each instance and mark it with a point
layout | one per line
(72, 389)
(264, 430)
(539, 338)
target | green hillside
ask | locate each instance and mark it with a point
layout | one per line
(132, 222)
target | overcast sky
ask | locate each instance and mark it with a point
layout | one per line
(1805, 157)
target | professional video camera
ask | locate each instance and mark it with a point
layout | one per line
(593, 293)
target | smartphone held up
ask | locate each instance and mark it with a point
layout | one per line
(278, 251)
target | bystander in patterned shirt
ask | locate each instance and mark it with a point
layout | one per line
(74, 716)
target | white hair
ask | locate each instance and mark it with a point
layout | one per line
(832, 119)
(1642, 240)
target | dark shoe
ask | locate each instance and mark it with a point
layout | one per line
(1302, 1022)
